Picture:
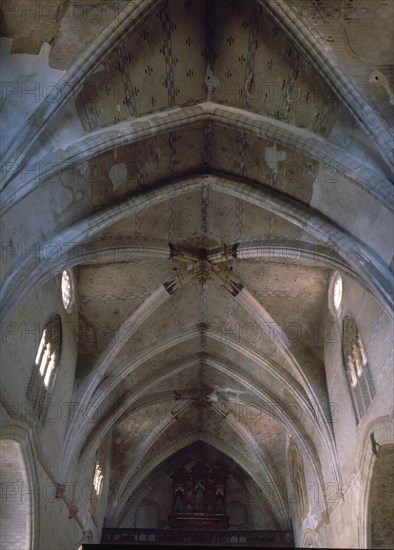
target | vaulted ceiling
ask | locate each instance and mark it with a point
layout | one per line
(202, 166)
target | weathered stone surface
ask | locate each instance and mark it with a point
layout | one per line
(202, 169)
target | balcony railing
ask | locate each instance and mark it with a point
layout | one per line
(234, 537)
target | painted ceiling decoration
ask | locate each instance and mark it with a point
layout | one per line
(198, 165)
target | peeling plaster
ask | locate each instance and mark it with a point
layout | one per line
(230, 363)
(273, 157)
(211, 82)
(118, 175)
(26, 80)
(332, 193)
(379, 79)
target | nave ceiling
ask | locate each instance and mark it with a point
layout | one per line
(206, 161)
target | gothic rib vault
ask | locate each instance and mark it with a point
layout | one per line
(203, 167)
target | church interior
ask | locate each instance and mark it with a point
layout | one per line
(197, 273)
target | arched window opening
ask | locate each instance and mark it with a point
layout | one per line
(335, 293)
(46, 361)
(15, 509)
(98, 480)
(361, 385)
(97, 486)
(68, 290)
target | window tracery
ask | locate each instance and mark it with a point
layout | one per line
(98, 479)
(97, 485)
(67, 287)
(45, 364)
(362, 388)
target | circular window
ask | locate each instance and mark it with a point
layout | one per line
(67, 290)
(336, 291)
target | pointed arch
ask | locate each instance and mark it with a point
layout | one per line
(382, 432)
(30, 274)
(132, 13)
(329, 70)
(278, 508)
(154, 124)
(20, 498)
